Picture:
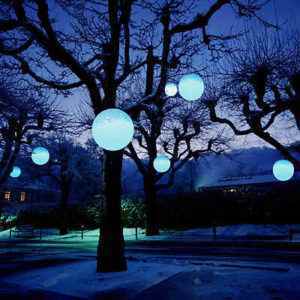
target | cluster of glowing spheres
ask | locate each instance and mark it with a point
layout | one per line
(16, 172)
(40, 156)
(161, 163)
(283, 170)
(171, 89)
(113, 129)
(191, 87)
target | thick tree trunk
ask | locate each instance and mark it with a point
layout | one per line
(64, 224)
(110, 255)
(152, 226)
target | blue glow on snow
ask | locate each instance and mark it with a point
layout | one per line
(171, 89)
(283, 170)
(113, 129)
(161, 163)
(16, 172)
(191, 87)
(40, 156)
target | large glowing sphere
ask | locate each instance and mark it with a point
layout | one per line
(113, 129)
(283, 170)
(191, 87)
(40, 156)
(171, 89)
(161, 163)
(16, 172)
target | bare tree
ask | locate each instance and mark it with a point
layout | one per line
(98, 50)
(70, 164)
(181, 131)
(23, 117)
(261, 90)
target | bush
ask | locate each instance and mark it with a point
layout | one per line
(133, 213)
(90, 215)
(7, 221)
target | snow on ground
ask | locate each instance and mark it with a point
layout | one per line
(4, 234)
(80, 279)
(88, 235)
(159, 279)
(72, 236)
(228, 283)
(232, 231)
(245, 230)
(229, 231)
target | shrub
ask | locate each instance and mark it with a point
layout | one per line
(133, 213)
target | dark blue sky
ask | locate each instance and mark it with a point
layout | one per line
(282, 12)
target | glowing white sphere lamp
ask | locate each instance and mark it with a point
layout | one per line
(16, 172)
(40, 156)
(283, 170)
(171, 89)
(113, 129)
(191, 87)
(161, 163)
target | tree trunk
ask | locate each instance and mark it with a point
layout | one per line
(65, 192)
(152, 226)
(110, 254)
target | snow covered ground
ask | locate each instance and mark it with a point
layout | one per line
(156, 277)
(185, 280)
(53, 234)
(232, 231)
(81, 280)
(245, 230)
(229, 231)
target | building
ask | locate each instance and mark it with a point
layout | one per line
(14, 198)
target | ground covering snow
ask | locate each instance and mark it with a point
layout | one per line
(229, 231)
(81, 280)
(163, 280)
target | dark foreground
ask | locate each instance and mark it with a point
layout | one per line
(210, 270)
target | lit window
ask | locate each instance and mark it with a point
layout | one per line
(23, 196)
(7, 195)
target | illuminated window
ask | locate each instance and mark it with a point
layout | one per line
(23, 196)
(7, 195)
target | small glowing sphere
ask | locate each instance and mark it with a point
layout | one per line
(16, 172)
(113, 129)
(40, 156)
(161, 163)
(171, 89)
(191, 87)
(283, 170)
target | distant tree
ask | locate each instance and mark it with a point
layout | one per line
(98, 46)
(23, 117)
(181, 131)
(73, 169)
(261, 90)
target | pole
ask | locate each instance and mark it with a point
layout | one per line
(82, 227)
